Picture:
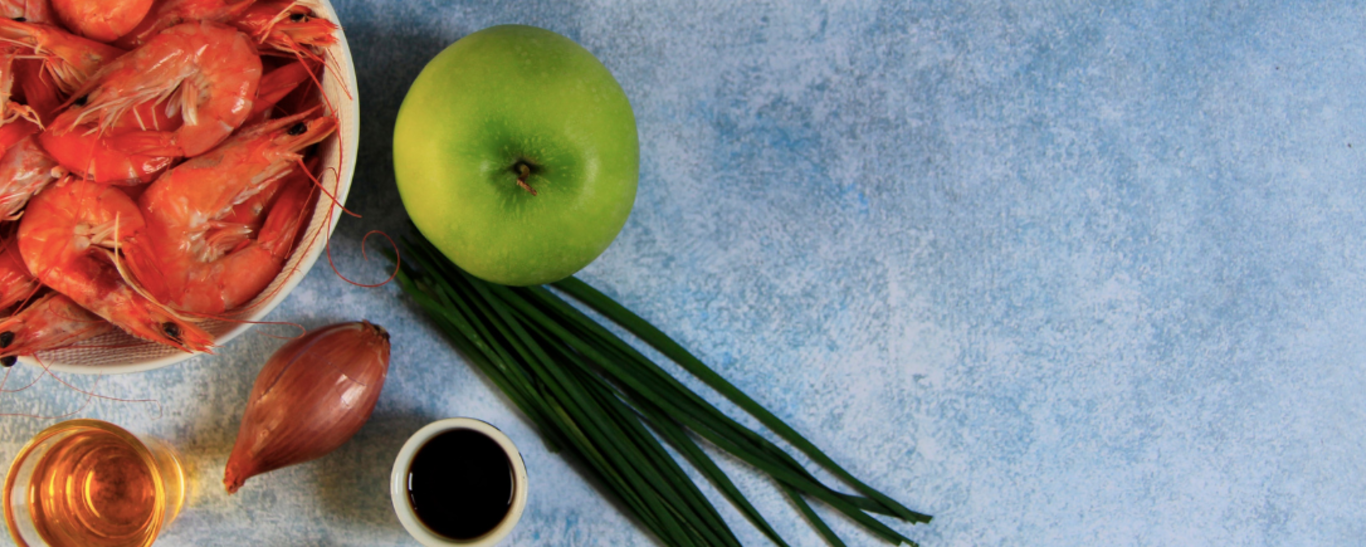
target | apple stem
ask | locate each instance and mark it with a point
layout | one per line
(524, 171)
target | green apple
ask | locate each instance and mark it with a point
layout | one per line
(515, 153)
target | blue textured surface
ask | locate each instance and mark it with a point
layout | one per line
(1058, 273)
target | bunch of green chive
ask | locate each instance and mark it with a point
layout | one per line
(590, 392)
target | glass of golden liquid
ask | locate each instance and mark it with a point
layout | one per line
(92, 484)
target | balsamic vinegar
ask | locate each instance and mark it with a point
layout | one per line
(460, 484)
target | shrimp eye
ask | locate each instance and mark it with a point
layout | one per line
(6, 338)
(171, 330)
(297, 17)
(80, 101)
(20, 20)
(8, 361)
(298, 129)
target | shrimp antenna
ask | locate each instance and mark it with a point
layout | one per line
(26, 386)
(90, 395)
(363, 255)
(332, 263)
(253, 305)
(330, 195)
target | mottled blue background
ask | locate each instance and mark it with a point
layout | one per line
(1056, 273)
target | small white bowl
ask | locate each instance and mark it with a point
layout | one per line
(398, 484)
(118, 353)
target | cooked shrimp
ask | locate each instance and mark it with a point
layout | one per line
(288, 27)
(103, 20)
(24, 170)
(68, 60)
(32, 11)
(169, 13)
(284, 26)
(240, 275)
(91, 155)
(176, 262)
(69, 237)
(204, 72)
(52, 321)
(16, 284)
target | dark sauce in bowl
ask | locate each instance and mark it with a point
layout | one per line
(460, 484)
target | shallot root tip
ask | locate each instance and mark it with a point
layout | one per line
(378, 329)
(232, 484)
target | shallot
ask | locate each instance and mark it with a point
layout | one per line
(312, 396)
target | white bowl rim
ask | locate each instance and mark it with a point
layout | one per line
(398, 484)
(348, 117)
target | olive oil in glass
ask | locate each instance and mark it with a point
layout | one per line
(91, 484)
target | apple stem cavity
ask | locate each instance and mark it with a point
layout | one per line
(524, 171)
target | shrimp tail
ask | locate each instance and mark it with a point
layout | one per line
(168, 13)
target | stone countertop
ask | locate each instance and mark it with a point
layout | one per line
(1056, 273)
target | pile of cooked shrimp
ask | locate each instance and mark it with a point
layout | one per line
(156, 162)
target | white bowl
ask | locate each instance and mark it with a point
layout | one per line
(118, 353)
(398, 484)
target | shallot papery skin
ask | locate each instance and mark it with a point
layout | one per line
(312, 396)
